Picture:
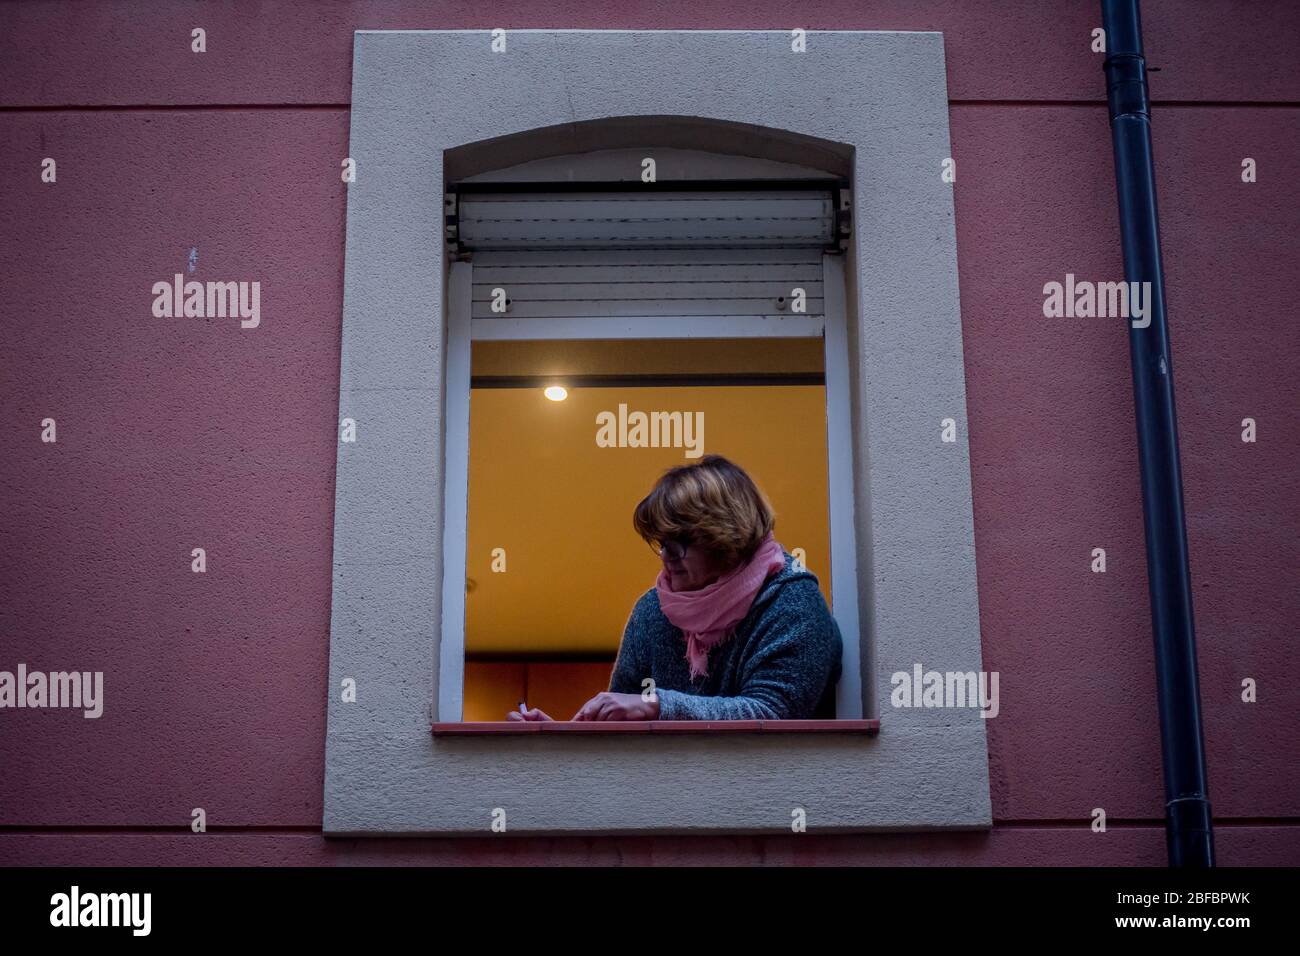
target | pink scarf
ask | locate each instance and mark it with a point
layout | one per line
(707, 616)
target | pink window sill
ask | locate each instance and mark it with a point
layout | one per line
(480, 728)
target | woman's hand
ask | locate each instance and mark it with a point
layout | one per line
(533, 714)
(610, 706)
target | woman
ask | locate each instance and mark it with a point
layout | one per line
(732, 629)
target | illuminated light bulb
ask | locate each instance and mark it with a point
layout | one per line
(556, 393)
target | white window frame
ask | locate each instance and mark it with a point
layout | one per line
(873, 102)
(463, 331)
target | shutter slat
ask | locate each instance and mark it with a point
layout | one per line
(676, 273)
(803, 218)
(618, 308)
(614, 257)
(623, 291)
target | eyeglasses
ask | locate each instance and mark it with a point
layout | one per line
(674, 549)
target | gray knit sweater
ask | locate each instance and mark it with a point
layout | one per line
(782, 662)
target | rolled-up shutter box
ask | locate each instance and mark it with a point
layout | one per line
(591, 251)
(809, 214)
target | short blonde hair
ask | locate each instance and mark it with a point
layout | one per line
(712, 503)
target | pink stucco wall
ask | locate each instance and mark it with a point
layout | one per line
(175, 435)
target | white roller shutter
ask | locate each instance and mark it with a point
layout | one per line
(693, 259)
(627, 283)
(669, 218)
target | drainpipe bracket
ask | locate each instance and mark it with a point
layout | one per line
(1126, 85)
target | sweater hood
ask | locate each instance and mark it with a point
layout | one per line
(789, 574)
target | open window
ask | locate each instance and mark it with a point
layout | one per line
(611, 334)
(437, 107)
(563, 442)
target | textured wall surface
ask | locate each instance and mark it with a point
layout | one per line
(180, 434)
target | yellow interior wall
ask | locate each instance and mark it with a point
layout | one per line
(559, 689)
(561, 507)
(492, 689)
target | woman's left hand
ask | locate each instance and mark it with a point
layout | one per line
(610, 706)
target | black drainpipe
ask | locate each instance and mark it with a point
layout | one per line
(1189, 832)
